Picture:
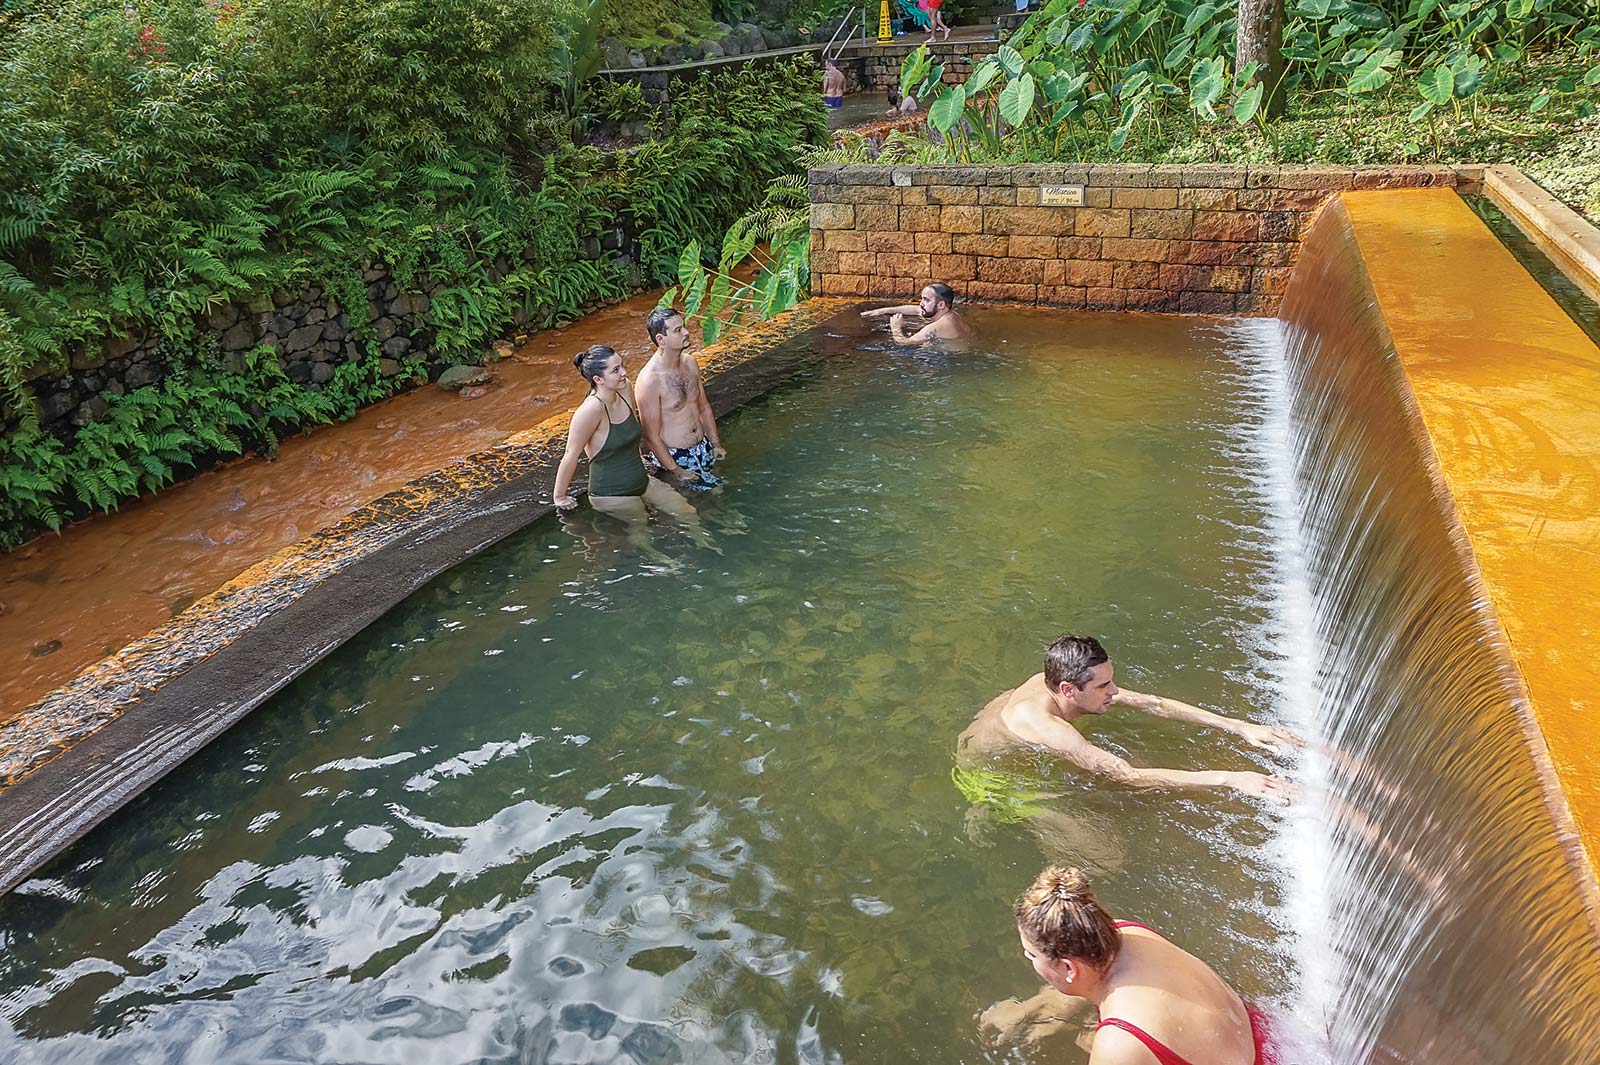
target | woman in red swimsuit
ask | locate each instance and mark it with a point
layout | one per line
(1157, 1003)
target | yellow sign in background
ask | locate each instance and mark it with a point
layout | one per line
(885, 34)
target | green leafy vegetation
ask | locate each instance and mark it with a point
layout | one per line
(148, 436)
(654, 21)
(777, 236)
(169, 158)
(1394, 81)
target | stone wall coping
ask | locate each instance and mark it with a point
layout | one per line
(1570, 240)
(1150, 175)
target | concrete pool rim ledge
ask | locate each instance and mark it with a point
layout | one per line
(1508, 453)
(78, 755)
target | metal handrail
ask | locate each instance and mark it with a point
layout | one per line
(848, 22)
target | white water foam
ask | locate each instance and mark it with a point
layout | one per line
(1288, 656)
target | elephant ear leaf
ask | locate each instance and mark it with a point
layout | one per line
(1375, 71)
(710, 329)
(914, 69)
(694, 294)
(1438, 86)
(948, 109)
(982, 77)
(1017, 100)
(1248, 103)
(689, 264)
(1205, 86)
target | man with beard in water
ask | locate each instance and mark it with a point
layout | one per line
(937, 308)
(1040, 715)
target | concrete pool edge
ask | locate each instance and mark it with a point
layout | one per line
(1565, 236)
(1498, 377)
(73, 758)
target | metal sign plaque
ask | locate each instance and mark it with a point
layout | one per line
(1061, 196)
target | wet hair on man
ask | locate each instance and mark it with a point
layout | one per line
(656, 323)
(1071, 660)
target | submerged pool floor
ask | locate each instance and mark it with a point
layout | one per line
(586, 799)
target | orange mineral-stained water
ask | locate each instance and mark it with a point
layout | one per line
(67, 601)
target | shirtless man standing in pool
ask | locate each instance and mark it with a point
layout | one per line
(937, 309)
(1077, 682)
(833, 85)
(680, 431)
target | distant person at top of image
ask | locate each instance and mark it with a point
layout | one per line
(1156, 1002)
(937, 311)
(680, 430)
(935, 19)
(832, 85)
(901, 105)
(606, 428)
(1041, 714)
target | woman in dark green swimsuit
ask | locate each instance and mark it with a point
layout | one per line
(606, 428)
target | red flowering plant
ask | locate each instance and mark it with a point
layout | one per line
(148, 45)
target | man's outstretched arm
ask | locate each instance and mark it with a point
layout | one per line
(1264, 736)
(1064, 740)
(904, 308)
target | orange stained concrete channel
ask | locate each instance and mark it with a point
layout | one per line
(67, 601)
(1509, 391)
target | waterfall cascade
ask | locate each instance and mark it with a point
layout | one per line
(1452, 923)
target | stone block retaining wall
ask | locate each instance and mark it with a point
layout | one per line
(874, 67)
(1192, 239)
(310, 331)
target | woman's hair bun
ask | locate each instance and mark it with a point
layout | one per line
(1066, 883)
(591, 361)
(1060, 915)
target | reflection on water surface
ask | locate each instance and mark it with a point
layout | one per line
(579, 801)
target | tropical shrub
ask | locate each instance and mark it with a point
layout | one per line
(646, 19)
(198, 413)
(776, 235)
(1141, 69)
(731, 136)
(166, 158)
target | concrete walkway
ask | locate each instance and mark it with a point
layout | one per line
(960, 36)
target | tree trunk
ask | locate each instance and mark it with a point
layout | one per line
(1260, 40)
